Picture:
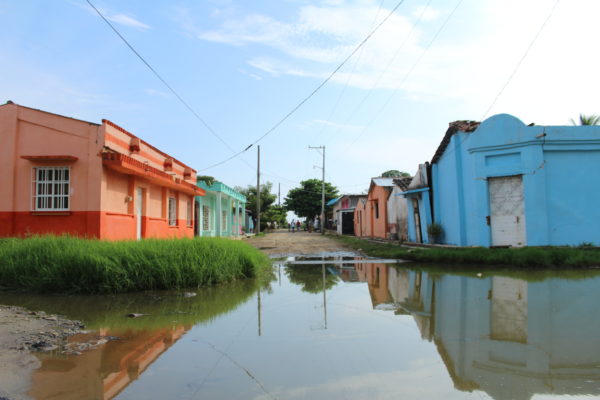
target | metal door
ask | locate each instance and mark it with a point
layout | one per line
(507, 211)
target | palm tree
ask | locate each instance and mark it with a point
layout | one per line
(587, 120)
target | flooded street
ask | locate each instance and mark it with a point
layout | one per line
(337, 328)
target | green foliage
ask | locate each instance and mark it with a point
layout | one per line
(274, 214)
(209, 180)
(305, 200)
(587, 120)
(475, 257)
(394, 173)
(72, 265)
(435, 231)
(266, 197)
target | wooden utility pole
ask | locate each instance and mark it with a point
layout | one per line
(322, 189)
(258, 193)
(279, 194)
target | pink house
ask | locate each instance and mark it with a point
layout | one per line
(371, 215)
(67, 176)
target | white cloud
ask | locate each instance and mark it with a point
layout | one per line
(251, 75)
(128, 21)
(426, 13)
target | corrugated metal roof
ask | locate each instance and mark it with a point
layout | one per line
(333, 201)
(383, 181)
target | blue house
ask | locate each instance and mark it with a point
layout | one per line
(504, 183)
(221, 211)
(418, 197)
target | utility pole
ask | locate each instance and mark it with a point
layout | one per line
(322, 189)
(279, 194)
(258, 193)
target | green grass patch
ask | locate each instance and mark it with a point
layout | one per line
(525, 257)
(62, 264)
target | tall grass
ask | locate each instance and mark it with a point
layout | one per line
(72, 265)
(526, 257)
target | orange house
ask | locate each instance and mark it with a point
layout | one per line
(370, 216)
(66, 176)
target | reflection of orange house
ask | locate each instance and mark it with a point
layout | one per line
(63, 175)
(105, 372)
(376, 275)
(370, 217)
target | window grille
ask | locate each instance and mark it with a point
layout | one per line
(189, 213)
(205, 218)
(223, 220)
(51, 188)
(172, 211)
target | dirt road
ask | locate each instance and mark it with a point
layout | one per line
(283, 243)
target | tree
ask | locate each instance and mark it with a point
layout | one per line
(394, 173)
(305, 200)
(274, 214)
(266, 198)
(587, 120)
(310, 277)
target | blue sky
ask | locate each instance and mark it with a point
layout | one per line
(243, 65)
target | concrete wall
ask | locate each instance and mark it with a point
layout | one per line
(558, 165)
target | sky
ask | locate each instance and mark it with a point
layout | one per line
(243, 66)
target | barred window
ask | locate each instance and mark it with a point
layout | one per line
(172, 211)
(223, 220)
(51, 188)
(205, 218)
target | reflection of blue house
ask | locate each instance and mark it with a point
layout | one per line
(503, 183)
(221, 212)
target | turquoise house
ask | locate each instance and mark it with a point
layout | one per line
(504, 183)
(220, 212)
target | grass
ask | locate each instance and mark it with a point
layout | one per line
(62, 264)
(526, 257)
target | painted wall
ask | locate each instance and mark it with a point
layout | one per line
(377, 222)
(221, 200)
(102, 201)
(558, 165)
(397, 215)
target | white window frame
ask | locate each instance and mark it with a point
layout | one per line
(50, 194)
(172, 208)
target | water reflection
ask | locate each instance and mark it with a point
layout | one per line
(134, 343)
(506, 336)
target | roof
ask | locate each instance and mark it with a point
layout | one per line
(333, 201)
(403, 182)
(10, 102)
(383, 181)
(456, 126)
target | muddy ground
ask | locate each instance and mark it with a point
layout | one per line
(282, 243)
(21, 333)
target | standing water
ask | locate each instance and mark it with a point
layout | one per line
(335, 329)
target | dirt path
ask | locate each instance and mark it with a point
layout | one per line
(284, 243)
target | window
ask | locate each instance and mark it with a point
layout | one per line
(377, 209)
(51, 188)
(224, 220)
(172, 211)
(189, 213)
(205, 218)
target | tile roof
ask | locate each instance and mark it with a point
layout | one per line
(403, 183)
(456, 126)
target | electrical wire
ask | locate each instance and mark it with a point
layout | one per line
(147, 64)
(314, 91)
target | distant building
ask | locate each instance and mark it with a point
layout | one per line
(371, 216)
(398, 211)
(343, 212)
(66, 176)
(221, 211)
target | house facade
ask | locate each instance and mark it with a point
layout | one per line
(418, 203)
(343, 213)
(398, 211)
(221, 211)
(371, 217)
(504, 183)
(67, 176)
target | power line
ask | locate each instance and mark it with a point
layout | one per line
(311, 94)
(522, 59)
(181, 100)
